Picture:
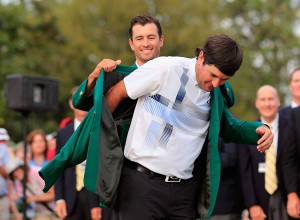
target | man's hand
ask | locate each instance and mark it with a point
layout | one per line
(107, 65)
(61, 209)
(293, 205)
(264, 143)
(257, 213)
(96, 213)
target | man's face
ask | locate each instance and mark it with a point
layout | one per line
(209, 76)
(295, 85)
(79, 114)
(145, 42)
(267, 103)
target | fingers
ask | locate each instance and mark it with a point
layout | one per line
(118, 62)
(293, 213)
(264, 143)
(96, 213)
(109, 65)
(61, 211)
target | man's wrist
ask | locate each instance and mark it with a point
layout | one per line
(60, 201)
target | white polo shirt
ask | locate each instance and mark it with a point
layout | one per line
(171, 118)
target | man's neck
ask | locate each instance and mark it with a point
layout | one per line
(269, 120)
(295, 103)
(297, 100)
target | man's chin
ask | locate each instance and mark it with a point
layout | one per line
(147, 58)
(208, 89)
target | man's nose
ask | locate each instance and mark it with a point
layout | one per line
(218, 82)
(215, 82)
(145, 42)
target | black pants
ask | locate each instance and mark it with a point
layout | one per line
(146, 197)
(277, 209)
(82, 207)
(82, 210)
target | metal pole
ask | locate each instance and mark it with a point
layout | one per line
(25, 115)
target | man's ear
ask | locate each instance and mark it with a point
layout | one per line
(161, 40)
(70, 104)
(201, 57)
(130, 43)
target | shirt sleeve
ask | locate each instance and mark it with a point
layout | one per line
(147, 79)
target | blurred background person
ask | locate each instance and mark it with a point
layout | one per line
(4, 159)
(294, 87)
(38, 147)
(40, 205)
(264, 198)
(73, 201)
(230, 202)
(19, 151)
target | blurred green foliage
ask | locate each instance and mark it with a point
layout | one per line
(65, 39)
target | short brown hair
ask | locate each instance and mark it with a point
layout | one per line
(143, 20)
(223, 52)
(292, 74)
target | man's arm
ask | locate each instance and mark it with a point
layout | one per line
(60, 203)
(107, 65)
(243, 132)
(247, 177)
(83, 97)
(115, 95)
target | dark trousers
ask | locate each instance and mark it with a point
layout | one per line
(142, 196)
(277, 209)
(82, 207)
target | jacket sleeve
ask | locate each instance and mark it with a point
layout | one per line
(93, 200)
(82, 101)
(234, 130)
(74, 152)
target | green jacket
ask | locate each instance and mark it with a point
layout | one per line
(99, 144)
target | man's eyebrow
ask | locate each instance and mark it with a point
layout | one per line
(226, 78)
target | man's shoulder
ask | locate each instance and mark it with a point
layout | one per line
(285, 111)
(228, 94)
(296, 110)
(171, 60)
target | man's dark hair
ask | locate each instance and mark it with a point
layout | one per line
(143, 20)
(292, 74)
(223, 52)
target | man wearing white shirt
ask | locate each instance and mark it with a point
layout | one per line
(176, 107)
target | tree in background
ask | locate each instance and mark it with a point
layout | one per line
(30, 43)
(269, 33)
(65, 39)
